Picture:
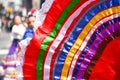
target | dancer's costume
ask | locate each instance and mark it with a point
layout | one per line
(76, 40)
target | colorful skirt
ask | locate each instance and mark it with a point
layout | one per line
(8, 64)
(13, 46)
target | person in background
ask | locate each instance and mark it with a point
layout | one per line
(9, 63)
(30, 29)
(18, 31)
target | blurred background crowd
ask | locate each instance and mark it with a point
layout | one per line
(8, 8)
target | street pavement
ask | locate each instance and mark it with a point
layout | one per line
(5, 42)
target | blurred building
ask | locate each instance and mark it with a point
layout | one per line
(28, 4)
(36, 4)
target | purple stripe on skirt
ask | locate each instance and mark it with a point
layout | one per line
(13, 47)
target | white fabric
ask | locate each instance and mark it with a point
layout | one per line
(41, 14)
(9, 78)
(18, 31)
(20, 57)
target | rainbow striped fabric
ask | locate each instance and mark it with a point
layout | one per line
(72, 39)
